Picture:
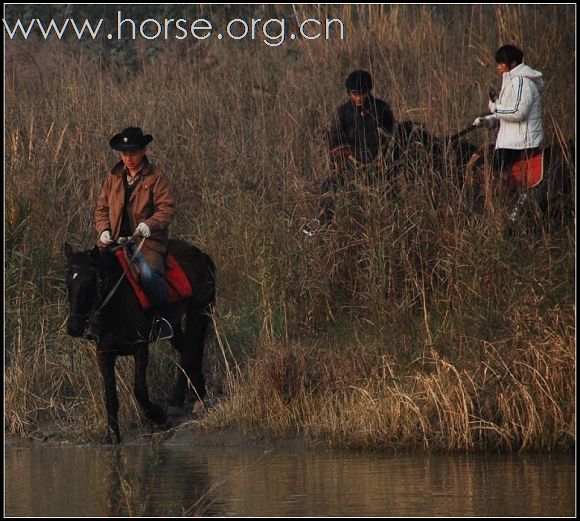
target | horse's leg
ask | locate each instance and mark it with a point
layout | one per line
(152, 411)
(191, 359)
(478, 182)
(472, 173)
(180, 344)
(327, 204)
(557, 186)
(198, 324)
(178, 338)
(106, 362)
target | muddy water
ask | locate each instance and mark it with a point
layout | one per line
(233, 476)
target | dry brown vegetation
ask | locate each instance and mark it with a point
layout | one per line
(415, 323)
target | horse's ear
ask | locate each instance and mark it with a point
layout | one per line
(68, 251)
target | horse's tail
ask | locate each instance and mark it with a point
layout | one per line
(211, 264)
(212, 272)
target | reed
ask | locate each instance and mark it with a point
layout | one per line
(415, 323)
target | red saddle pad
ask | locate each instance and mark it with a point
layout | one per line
(527, 173)
(178, 285)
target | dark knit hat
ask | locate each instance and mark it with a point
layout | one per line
(130, 140)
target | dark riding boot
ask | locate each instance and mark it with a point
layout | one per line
(154, 284)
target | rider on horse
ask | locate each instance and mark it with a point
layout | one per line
(136, 200)
(354, 139)
(517, 110)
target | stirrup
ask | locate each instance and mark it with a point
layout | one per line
(317, 225)
(312, 227)
(161, 330)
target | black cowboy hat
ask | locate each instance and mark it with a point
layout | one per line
(130, 140)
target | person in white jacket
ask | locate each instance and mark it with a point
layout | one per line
(517, 110)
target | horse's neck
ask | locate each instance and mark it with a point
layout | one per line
(108, 266)
(110, 275)
(414, 132)
(121, 310)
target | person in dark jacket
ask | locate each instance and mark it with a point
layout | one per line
(358, 130)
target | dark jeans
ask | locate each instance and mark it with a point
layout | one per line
(504, 158)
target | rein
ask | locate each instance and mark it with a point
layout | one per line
(461, 133)
(116, 286)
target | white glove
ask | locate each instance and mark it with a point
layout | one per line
(106, 238)
(484, 121)
(491, 106)
(143, 230)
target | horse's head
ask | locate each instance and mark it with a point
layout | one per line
(82, 282)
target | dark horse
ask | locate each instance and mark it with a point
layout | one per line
(552, 198)
(112, 315)
(448, 155)
(464, 164)
(399, 154)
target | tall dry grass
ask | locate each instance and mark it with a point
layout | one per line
(414, 323)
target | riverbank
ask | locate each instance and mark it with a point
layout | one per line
(506, 397)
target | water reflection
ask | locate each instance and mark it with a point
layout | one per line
(187, 477)
(95, 481)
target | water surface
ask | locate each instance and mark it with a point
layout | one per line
(238, 477)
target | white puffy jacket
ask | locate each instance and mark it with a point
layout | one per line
(519, 109)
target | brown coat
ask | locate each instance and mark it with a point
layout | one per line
(151, 203)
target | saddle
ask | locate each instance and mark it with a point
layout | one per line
(178, 285)
(526, 173)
